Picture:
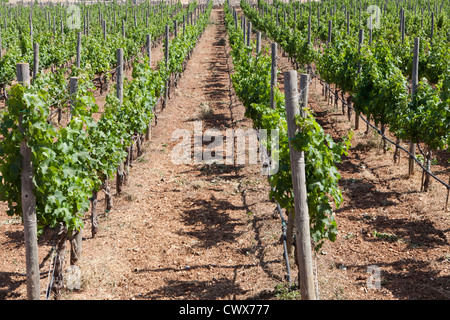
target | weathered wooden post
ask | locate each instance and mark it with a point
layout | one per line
(76, 236)
(273, 75)
(28, 202)
(119, 93)
(73, 88)
(104, 29)
(243, 28)
(303, 239)
(120, 75)
(415, 83)
(166, 89)
(149, 49)
(31, 27)
(432, 28)
(330, 26)
(249, 34)
(79, 50)
(35, 60)
(175, 28)
(348, 23)
(258, 42)
(360, 42)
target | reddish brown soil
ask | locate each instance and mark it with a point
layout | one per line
(208, 231)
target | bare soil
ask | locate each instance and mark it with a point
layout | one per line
(209, 232)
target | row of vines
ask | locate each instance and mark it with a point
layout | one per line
(252, 83)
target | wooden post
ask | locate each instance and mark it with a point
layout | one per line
(348, 23)
(318, 19)
(249, 34)
(119, 72)
(175, 28)
(243, 29)
(166, 89)
(73, 88)
(303, 239)
(149, 52)
(361, 41)
(432, 28)
(119, 92)
(329, 32)
(79, 50)
(309, 29)
(403, 27)
(149, 49)
(76, 244)
(94, 217)
(448, 196)
(290, 230)
(258, 42)
(273, 75)
(35, 60)
(28, 202)
(31, 27)
(62, 30)
(104, 29)
(87, 25)
(415, 83)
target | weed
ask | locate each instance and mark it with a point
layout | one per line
(385, 236)
(285, 292)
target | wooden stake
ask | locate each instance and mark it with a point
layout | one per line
(258, 42)
(303, 239)
(73, 88)
(94, 217)
(273, 75)
(78, 61)
(119, 72)
(119, 92)
(330, 25)
(166, 89)
(28, 203)
(448, 196)
(35, 60)
(249, 34)
(415, 83)
(361, 41)
(149, 49)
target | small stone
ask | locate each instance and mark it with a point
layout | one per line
(72, 278)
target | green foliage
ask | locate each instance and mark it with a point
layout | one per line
(71, 162)
(380, 90)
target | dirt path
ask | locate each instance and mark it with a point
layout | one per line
(193, 231)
